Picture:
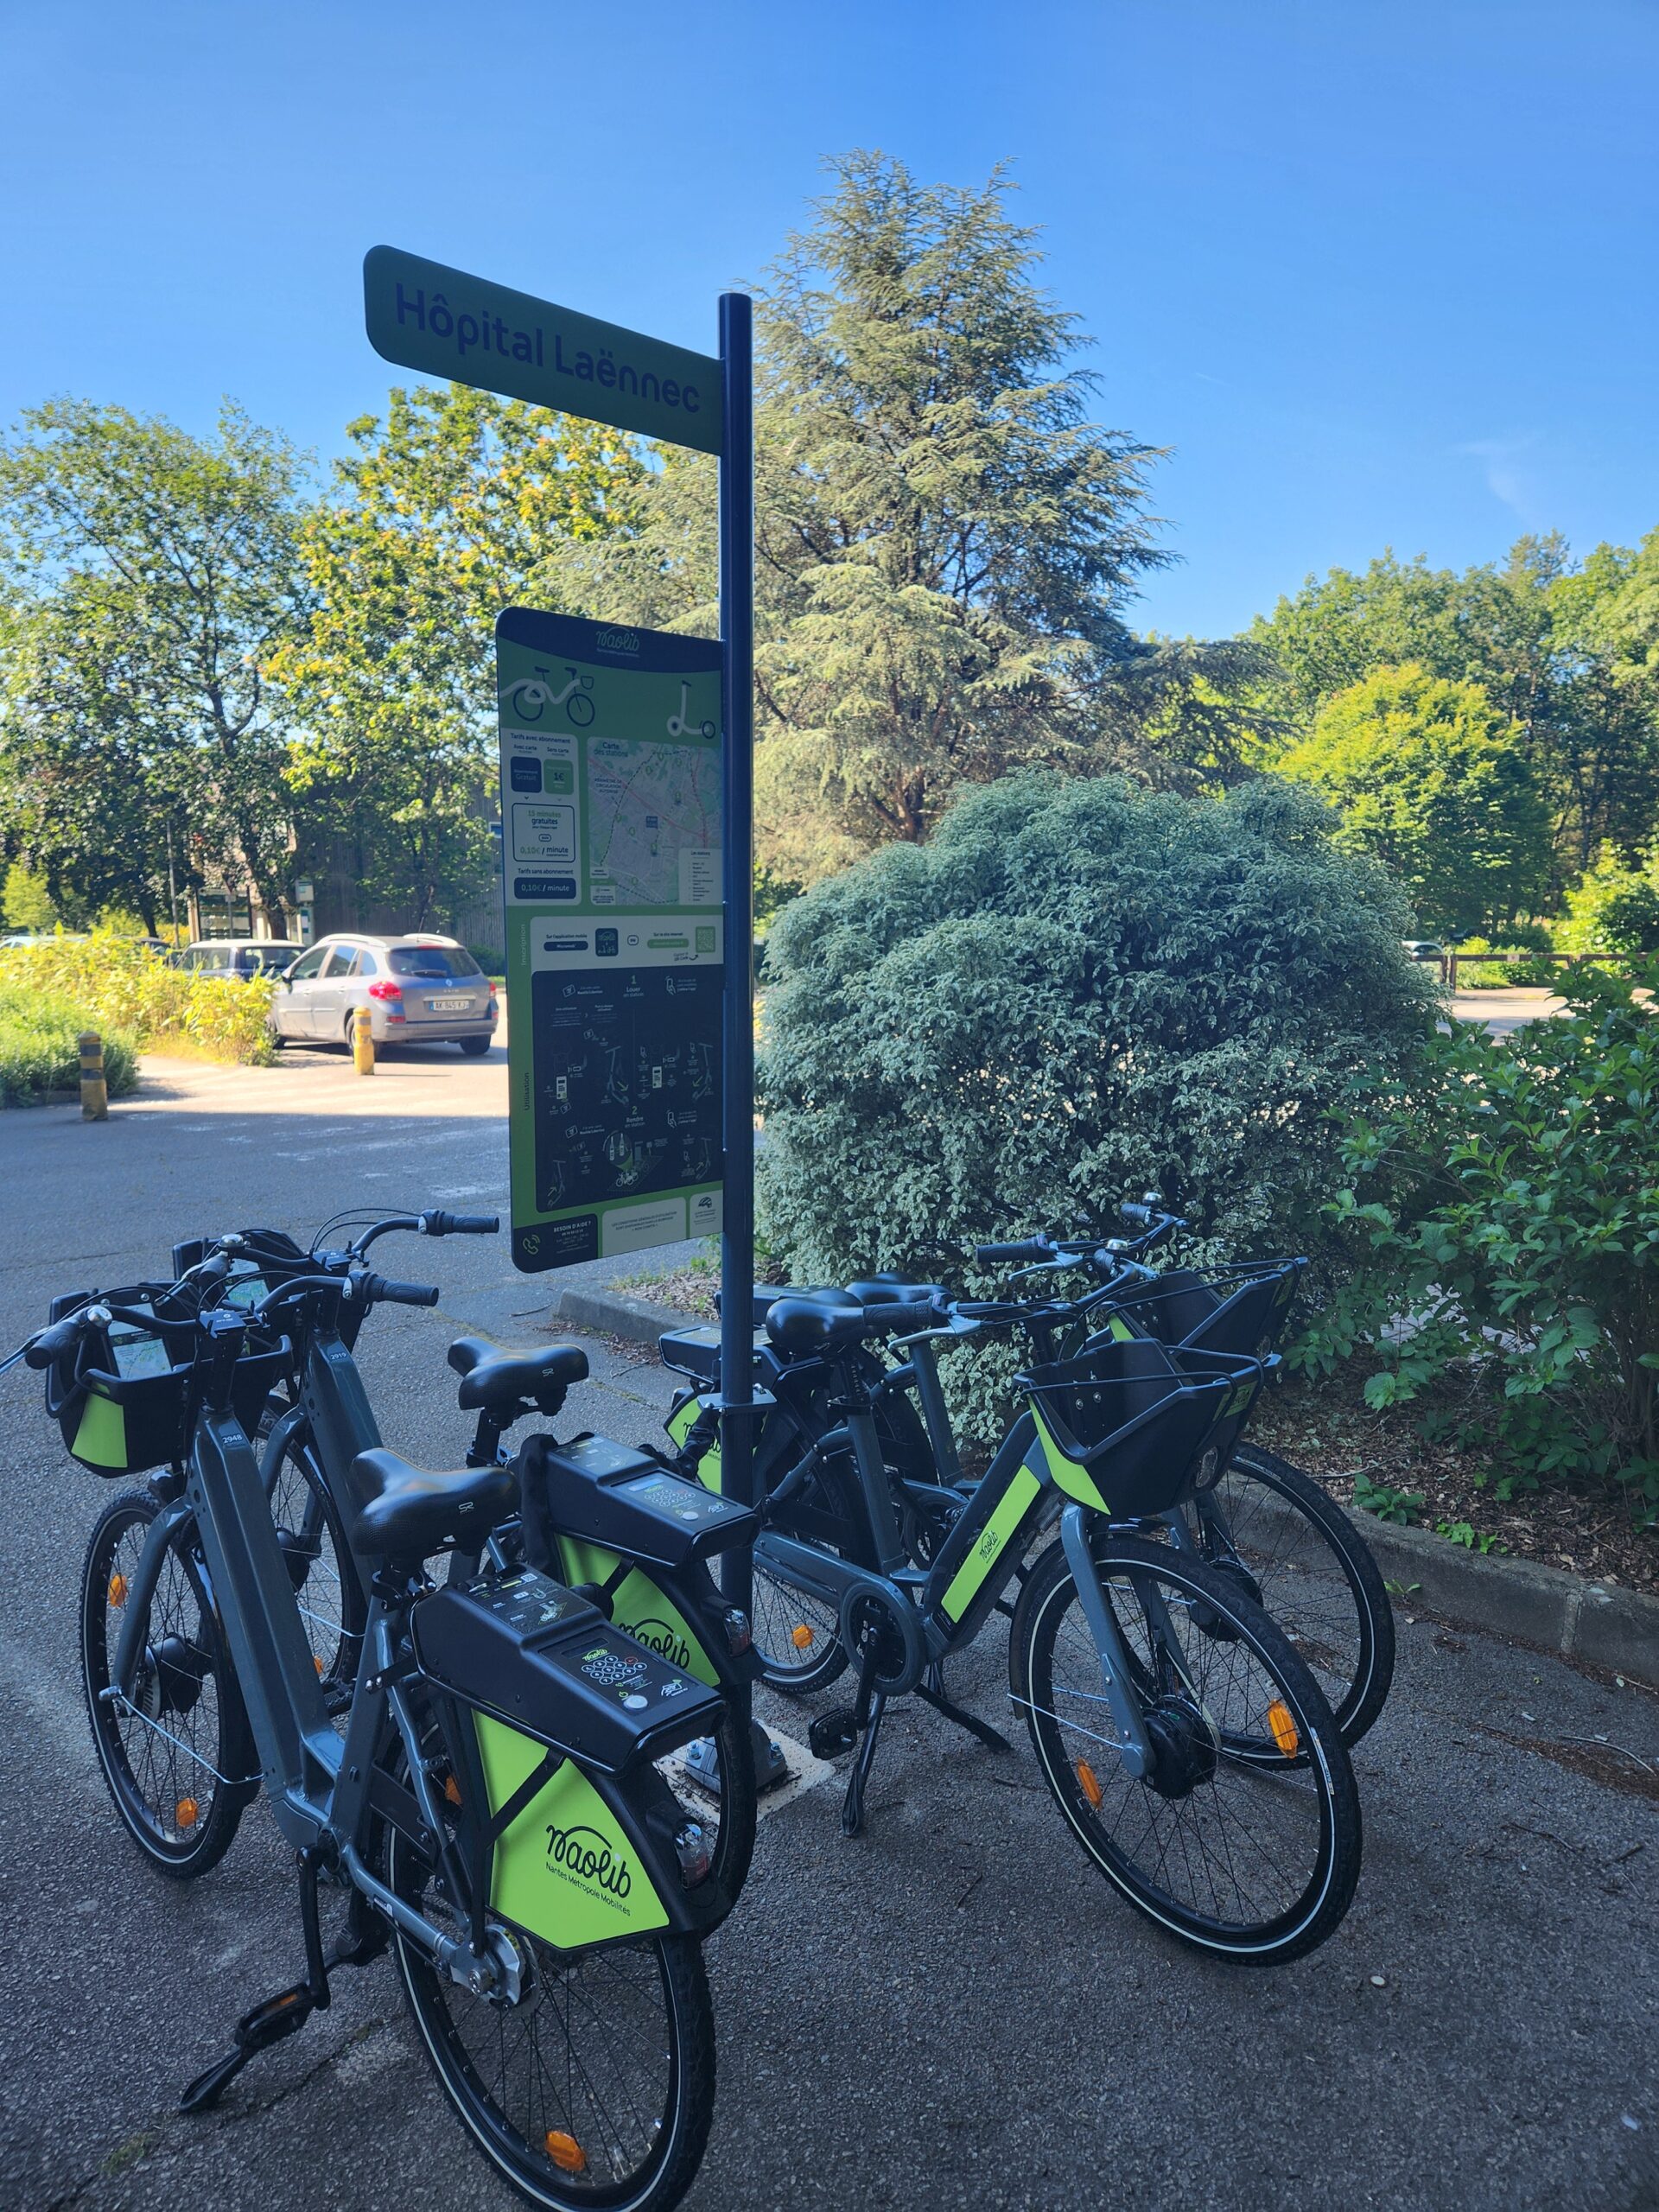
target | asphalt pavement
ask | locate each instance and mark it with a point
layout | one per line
(952, 2010)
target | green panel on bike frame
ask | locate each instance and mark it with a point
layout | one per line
(1076, 1481)
(994, 1537)
(679, 1428)
(565, 1870)
(102, 1436)
(639, 1609)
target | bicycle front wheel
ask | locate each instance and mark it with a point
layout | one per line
(178, 1753)
(1244, 1837)
(1292, 1549)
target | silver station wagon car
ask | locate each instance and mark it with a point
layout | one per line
(419, 990)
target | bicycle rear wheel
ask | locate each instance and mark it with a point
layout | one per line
(597, 2087)
(1291, 1548)
(179, 1758)
(1245, 1837)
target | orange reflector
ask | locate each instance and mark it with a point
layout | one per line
(801, 1637)
(1283, 1727)
(317, 1661)
(117, 1589)
(1091, 1786)
(187, 1812)
(566, 2152)
(452, 1789)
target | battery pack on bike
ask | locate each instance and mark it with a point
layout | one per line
(604, 1493)
(524, 1648)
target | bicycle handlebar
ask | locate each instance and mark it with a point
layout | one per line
(379, 1290)
(1023, 1248)
(461, 1224)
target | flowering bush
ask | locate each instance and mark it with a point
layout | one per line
(1502, 1214)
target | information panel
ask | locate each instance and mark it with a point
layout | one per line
(611, 878)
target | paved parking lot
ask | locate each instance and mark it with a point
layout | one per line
(951, 2010)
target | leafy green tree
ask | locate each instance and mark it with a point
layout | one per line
(1614, 907)
(1432, 780)
(1075, 989)
(25, 902)
(1568, 651)
(449, 509)
(153, 574)
(947, 543)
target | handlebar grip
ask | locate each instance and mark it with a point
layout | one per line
(1130, 1211)
(51, 1343)
(379, 1290)
(471, 1224)
(1026, 1247)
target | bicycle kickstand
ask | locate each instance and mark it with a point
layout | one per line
(285, 2014)
(931, 1690)
(867, 1709)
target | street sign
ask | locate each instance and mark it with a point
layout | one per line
(445, 323)
(611, 802)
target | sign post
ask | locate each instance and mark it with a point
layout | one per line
(737, 701)
(612, 744)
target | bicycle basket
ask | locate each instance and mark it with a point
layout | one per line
(1128, 1427)
(128, 1401)
(1240, 1311)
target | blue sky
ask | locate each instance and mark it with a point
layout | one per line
(1378, 271)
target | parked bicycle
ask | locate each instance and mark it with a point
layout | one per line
(643, 1556)
(1189, 1748)
(491, 1806)
(1256, 1519)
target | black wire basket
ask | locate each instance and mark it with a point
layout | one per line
(125, 1399)
(1240, 1311)
(1146, 1423)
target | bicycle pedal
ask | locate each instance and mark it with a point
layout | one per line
(832, 1733)
(278, 2016)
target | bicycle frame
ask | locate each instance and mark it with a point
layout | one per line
(956, 1595)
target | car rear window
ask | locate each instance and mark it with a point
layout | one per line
(266, 959)
(432, 961)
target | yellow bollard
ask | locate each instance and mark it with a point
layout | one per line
(94, 1090)
(363, 1041)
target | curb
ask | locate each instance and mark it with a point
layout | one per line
(1542, 1607)
(636, 1320)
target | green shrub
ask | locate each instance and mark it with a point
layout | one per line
(39, 1049)
(1077, 988)
(492, 961)
(1506, 1201)
(120, 985)
(1615, 907)
(1515, 961)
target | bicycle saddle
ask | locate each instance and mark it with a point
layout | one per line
(498, 1381)
(808, 1328)
(405, 1512)
(878, 1292)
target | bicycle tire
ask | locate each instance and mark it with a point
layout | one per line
(673, 2141)
(779, 1616)
(207, 1746)
(1313, 1795)
(1356, 1681)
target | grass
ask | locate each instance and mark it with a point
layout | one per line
(40, 1049)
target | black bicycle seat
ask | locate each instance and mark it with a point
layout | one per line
(500, 1382)
(877, 1292)
(405, 1512)
(812, 1328)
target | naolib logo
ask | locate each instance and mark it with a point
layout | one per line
(584, 1855)
(616, 641)
(657, 1636)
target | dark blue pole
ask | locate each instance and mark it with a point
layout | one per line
(737, 717)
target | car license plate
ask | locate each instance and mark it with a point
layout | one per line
(447, 1005)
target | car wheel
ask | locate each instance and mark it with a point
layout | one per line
(475, 1047)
